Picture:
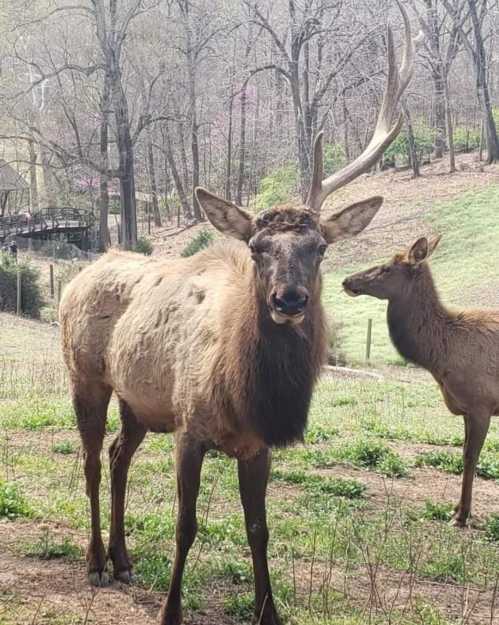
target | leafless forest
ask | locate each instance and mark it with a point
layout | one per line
(125, 106)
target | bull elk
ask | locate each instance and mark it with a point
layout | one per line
(222, 348)
(460, 349)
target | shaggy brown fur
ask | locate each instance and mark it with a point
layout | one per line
(459, 348)
(222, 348)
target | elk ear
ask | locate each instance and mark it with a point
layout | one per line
(226, 216)
(419, 251)
(432, 244)
(350, 221)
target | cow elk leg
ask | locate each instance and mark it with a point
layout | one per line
(476, 428)
(190, 455)
(120, 455)
(253, 478)
(90, 405)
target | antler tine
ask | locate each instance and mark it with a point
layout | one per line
(387, 126)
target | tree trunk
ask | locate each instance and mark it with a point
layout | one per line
(438, 79)
(104, 236)
(242, 148)
(483, 87)
(33, 183)
(152, 182)
(184, 202)
(439, 113)
(228, 169)
(450, 129)
(126, 167)
(411, 143)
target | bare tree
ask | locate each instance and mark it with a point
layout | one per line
(474, 42)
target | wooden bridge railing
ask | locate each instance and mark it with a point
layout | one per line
(46, 220)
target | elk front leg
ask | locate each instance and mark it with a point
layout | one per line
(253, 478)
(476, 428)
(189, 458)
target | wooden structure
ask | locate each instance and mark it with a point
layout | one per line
(47, 222)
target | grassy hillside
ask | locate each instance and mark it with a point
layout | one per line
(465, 266)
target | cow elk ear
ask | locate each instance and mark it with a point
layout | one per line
(433, 243)
(419, 251)
(350, 221)
(226, 216)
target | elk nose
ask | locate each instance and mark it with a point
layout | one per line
(290, 301)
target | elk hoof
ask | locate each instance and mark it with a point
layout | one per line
(99, 579)
(125, 577)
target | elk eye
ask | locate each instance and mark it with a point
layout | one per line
(322, 250)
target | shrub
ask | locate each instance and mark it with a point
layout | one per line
(12, 503)
(277, 187)
(492, 528)
(202, 240)
(374, 455)
(436, 511)
(444, 460)
(46, 548)
(143, 246)
(466, 139)
(31, 297)
(334, 157)
(399, 149)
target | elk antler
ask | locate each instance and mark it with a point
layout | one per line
(387, 126)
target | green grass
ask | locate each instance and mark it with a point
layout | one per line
(372, 454)
(48, 548)
(437, 511)
(492, 528)
(12, 503)
(466, 258)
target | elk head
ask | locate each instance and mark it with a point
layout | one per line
(396, 278)
(287, 244)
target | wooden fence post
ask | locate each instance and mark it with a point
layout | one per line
(19, 293)
(59, 292)
(51, 268)
(368, 339)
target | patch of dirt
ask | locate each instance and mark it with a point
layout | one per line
(61, 586)
(422, 484)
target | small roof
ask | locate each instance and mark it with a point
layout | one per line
(10, 180)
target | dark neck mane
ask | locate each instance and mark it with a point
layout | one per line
(418, 322)
(275, 370)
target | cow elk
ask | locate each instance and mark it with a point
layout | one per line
(459, 348)
(222, 349)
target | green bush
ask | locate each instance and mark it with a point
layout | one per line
(492, 528)
(466, 139)
(202, 240)
(399, 149)
(31, 297)
(143, 246)
(277, 187)
(444, 460)
(436, 511)
(12, 503)
(334, 157)
(374, 455)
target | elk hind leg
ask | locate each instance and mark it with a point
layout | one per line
(477, 427)
(120, 455)
(90, 404)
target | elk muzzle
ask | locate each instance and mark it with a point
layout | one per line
(352, 286)
(288, 304)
